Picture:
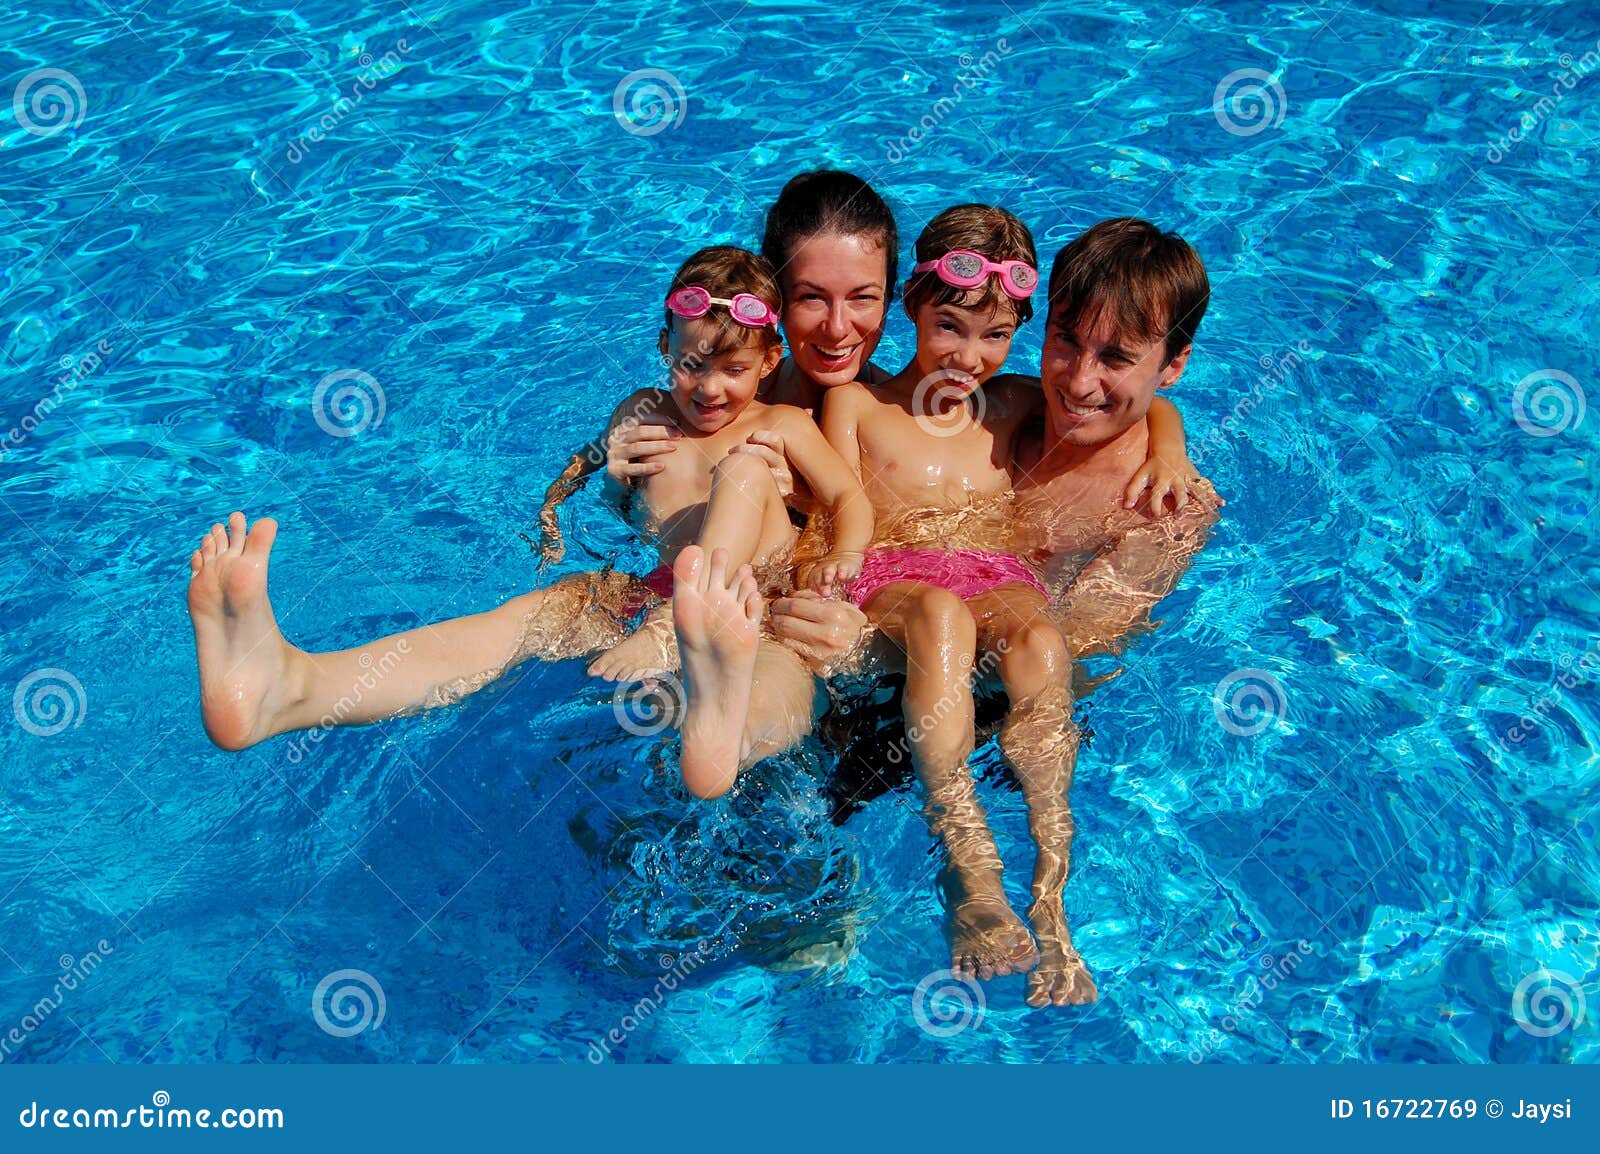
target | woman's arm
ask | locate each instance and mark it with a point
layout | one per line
(834, 481)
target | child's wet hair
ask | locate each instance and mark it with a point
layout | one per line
(1149, 284)
(725, 270)
(983, 229)
(829, 202)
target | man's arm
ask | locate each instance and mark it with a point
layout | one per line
(1112, 596)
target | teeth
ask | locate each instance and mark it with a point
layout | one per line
(835, 354)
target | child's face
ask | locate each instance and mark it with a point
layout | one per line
(966, 346)
(711, 389)
(1098, 382)
(834, 289)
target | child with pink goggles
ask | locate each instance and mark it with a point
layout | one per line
(962, 268)
(746, 309)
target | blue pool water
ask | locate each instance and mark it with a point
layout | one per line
(1395, 862)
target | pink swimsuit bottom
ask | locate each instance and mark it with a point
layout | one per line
(964, 572)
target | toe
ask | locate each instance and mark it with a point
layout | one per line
(194, 562)
(236, 527)
(689, 566)
(208, 547)
(262, 534)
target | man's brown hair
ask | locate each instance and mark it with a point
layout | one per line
(983, 229)
(1148, 283)
(725, 270)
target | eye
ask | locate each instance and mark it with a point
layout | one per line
(946, 326)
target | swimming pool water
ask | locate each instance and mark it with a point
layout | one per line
(1396, 861)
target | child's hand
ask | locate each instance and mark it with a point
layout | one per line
(768, 446)
(823, 573)
(1164, 480)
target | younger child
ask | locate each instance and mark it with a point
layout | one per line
(721, 338)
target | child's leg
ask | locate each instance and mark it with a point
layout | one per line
(746, 699)
(254, 684)
(1041, 742)
(938, 634)
(746, 518)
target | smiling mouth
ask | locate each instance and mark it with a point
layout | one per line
(840, 354)
(706, 410)
(1073, 410)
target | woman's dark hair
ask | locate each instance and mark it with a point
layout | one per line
(829, 201)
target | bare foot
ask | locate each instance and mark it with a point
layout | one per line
(987, 939)
(1061, 979)
(651, 651)
(718, 621)
(244, 660)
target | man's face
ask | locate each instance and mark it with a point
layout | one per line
(712, 388)
(1097, 382)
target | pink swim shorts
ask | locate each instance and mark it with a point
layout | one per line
(964, 572)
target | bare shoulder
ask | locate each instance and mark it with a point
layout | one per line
(642, 403)
(847, 398)
(1014, 395)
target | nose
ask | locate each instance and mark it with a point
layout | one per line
(837, 327)
(967, 357)
(1083, 384)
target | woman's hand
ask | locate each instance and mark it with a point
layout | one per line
(768, 446)
(631, 447)
(820, 630)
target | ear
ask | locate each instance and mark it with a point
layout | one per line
(661, 342)
(770, 359)
(905, 303)
(1175, 367)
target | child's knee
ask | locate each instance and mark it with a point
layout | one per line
(744, 472)
(938, 618)
(1035, 646)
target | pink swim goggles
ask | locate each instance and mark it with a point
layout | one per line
(962, 268)
(748, 310)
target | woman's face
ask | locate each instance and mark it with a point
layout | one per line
(835, 290)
